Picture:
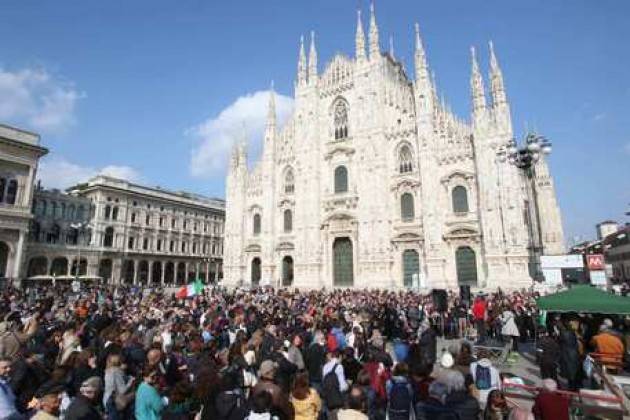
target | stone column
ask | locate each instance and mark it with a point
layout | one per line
(207, 272)
(187, 264)
(196, 271)
(163, 272)
(28, 193)
(150, 272)
(116, 271)
(135, 272)
(17, 262)
(48, 263)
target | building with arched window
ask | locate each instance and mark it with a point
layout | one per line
(373, 181)
(123, 232)
(19, 156)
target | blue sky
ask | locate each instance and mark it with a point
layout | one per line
(142, 88)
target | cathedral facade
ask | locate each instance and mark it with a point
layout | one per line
(374, 182)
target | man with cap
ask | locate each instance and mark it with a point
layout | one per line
(83, 407)
(608, 345)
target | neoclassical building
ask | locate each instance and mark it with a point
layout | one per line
(19, 157)
(122, 232)
(374, 182)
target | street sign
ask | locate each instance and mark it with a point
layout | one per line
(595, 262)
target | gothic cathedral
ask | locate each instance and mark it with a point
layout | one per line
(373, 182)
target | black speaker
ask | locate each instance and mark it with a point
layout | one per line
(464, 294)
(440, 300)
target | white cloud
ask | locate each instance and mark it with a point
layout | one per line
(60, 173)
(245, 117)
(599, 117)
(35, 99)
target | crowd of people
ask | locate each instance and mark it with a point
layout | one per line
(264, 354)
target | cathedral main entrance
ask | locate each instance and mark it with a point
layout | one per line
(256, 271)
(411, 267)
(287, 271)
(466, 264)
(343, 265)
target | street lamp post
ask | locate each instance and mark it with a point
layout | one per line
(525, 158)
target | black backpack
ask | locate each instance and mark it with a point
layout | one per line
(400, 402)
(330, 390)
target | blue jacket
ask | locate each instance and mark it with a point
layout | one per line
(149, 404)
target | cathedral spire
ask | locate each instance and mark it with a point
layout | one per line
(375, 49)
(312, 60)
(496, 80)
(476, 85)
(271, 111)
(302, 63)
(359, 39)
(422, 72)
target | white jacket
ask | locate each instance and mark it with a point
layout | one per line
(509, 326)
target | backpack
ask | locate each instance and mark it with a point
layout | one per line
(399, 400)
(330, 389)
(230, 405)
(482, 377)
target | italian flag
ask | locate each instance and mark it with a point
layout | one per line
(193, 289)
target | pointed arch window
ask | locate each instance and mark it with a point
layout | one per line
(460, 199)
(288, 221)
(341, 119)
(405, 160)
(289, 182)
(341, 179)
(407, 211)
(256, 224)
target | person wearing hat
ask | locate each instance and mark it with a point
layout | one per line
(280, 401)
(83, 406)
(608, 344)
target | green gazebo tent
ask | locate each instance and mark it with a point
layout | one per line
(585, 299)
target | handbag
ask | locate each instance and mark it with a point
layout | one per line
(121, 401)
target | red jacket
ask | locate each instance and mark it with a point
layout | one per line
(479, 309)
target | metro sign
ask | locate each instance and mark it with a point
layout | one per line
(595, 262)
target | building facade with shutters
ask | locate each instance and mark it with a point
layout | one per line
(374, 182)
(125, 233)
(19, 157)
